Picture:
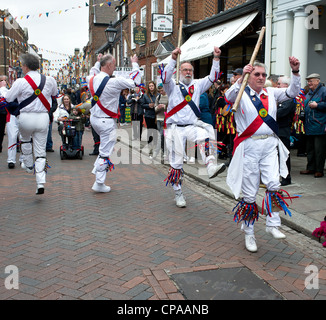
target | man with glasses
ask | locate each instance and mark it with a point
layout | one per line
(259, 155)
(183, 119)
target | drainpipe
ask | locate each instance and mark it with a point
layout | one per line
(268, 34)
(186, 12)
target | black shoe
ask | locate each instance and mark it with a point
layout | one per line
(11, 165)
(49, 150)
(285, 182)
(40, 189)
(94, 154)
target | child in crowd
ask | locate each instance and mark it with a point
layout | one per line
(79, 123)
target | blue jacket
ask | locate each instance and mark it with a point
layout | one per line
(315, 119)
(206, 115)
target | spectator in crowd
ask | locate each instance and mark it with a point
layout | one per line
(148, 103)
(63, 114)
(49, 142)
(161, 104)
(315, 123)
(122, 106)
(79, 122)
(284, 117)
(137, 112)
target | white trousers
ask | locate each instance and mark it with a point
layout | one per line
(260, 163)
(12, 132)
(34, 126)
(176, 138)
(106, 128)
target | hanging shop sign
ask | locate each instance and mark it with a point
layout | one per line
(162, 22)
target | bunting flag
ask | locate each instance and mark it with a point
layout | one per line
(43, 14)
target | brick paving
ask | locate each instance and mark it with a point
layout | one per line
(72, 243)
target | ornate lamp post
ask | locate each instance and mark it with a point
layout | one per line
(110, 34)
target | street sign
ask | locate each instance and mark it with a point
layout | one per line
(162, 22)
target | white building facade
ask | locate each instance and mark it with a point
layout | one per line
(296, 28)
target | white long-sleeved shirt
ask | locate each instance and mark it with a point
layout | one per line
(21, 90)
(111, 93)
(186, 115)
(3, 91)
(247, 112)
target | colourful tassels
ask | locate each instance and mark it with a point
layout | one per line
(110, 165)
(175, 177)
(247, 212)
(275, 201)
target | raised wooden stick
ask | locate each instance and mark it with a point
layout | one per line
(245, 79)
(178, 58)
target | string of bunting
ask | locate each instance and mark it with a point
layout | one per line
(46, 14)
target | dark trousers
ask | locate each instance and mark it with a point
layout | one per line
(96, 139)
(316, 152)
(152, 130)
(2, 128)
(137, 125)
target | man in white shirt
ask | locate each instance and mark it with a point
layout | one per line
(259, 155)
(182, 119)
(34, 94)
(106, 91)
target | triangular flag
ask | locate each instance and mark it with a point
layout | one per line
(87, 4)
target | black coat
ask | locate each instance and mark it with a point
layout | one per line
(147, 99)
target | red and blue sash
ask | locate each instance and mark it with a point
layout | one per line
(261, 106)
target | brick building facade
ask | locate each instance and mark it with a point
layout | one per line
(196, 15)
(13, 42)
(100, 16)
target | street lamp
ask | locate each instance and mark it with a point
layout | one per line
(3, 16)
(110, 34)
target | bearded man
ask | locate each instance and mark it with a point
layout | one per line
(183, 120)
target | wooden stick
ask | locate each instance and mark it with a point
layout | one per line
(131, 53)
(178, 58)
(245, 79)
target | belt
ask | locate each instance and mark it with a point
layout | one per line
(262, 136)
(183, 125)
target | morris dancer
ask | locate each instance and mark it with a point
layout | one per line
(106, 92)
(258, 152)
(182, 119)
(34, 94)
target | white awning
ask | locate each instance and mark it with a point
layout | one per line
(201, 44)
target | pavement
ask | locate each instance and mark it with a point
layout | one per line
(132, 243)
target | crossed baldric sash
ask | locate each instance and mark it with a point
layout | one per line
(36, 94)
(187, 101)
(96, 96)
(261, 106)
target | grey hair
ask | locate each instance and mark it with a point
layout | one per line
(30, 61)
(187, 62)
(285, 80)
(108, 58)
(260, 64)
